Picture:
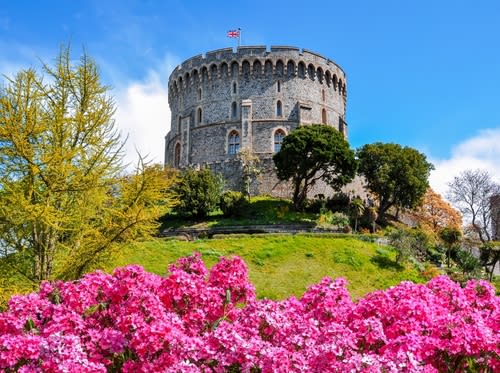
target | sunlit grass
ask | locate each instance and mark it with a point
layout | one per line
(283, 265)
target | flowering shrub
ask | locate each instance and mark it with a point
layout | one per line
(195, 320)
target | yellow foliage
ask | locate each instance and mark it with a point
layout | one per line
(436, 214)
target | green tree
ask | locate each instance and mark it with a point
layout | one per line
(397, 175)
(357, 209)
(314, 152)
(199, 192)
(64, 202)
(250, 169)
(451, 237)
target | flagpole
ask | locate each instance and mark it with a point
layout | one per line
(239, 36)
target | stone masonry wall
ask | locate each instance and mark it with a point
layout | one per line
(255, 93)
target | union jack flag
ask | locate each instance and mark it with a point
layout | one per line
(233, 33)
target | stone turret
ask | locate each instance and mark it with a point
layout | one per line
(250, 97)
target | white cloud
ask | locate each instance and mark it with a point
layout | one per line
(143, 114)
(481, 151)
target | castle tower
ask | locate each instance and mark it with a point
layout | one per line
(227, 100)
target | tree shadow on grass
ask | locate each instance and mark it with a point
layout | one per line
(385, 262)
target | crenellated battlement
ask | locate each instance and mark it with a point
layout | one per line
(255, 62)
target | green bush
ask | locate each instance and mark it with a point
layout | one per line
(336, 219)
(232, 203)
(199, 192)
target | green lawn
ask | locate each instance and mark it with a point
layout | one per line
(282, 265)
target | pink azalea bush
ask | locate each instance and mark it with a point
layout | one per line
(195, 320)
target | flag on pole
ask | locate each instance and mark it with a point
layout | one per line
(233, 33)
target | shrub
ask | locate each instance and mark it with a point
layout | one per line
(429, 272)
(196, 320)
(199, 192)
(413, 243)
(335, 219)
(232, 203)
(468, 263)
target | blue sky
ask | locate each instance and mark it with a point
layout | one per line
(420, 73)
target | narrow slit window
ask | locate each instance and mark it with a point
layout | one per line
(177, 154)
(199, 117)
(279, 109)
(234, 111)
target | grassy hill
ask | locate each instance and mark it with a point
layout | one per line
(282, 265)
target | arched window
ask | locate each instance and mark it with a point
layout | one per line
(204, 73)
(340, 86)
(257, 69)
(213, 71)
(245, 67)
(279, 109)
(302, 70)
(335, 82)
(323, 116)
(319, 75)
(328, 78)
(199, 116)
(233, 142)
(235, 69)
(279, 68)
(224, 69)
(290, 68)
(268, 68)
(234, 110)
(177, 154)
(310, 72)
(279, 135)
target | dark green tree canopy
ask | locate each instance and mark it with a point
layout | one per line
(314, 152)
(397, 175)
(199, 192)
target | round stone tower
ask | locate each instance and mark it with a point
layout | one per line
(228, 100)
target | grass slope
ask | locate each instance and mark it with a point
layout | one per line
(282, 265)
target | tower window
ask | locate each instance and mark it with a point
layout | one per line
(302, 70)
(199, 116)
(234, 110)
(278, 86)
(279, 109)
(234, 142)
(199, 94)
(323, 94)
(323, 116)
(234, 88)
(177, 154)
(279, 135)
